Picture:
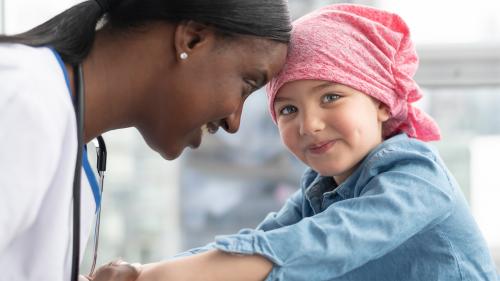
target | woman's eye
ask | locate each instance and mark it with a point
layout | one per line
(328, 98)
(246, 92)
(251, 86)
(287, 110)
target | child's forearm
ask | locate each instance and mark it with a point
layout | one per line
(212, 265)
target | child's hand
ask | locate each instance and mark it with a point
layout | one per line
(116, 271)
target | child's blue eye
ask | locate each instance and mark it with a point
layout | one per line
(328, 98)
(287, 110)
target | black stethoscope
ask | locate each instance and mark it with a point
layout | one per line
(79, 103)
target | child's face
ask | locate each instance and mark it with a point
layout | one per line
(330, 127)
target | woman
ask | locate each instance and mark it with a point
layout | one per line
(167, 68)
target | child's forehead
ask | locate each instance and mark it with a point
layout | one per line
(311, 86)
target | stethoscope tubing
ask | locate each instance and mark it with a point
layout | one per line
(79, 104)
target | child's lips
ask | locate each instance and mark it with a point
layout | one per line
(321, 147)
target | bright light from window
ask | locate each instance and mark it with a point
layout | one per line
(22, 15)
(448, 21)
(485, 188)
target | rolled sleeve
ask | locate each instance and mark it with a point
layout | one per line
(195, 251)
(251, 242)
(289, 214)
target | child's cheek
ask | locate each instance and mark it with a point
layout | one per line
(289, 137)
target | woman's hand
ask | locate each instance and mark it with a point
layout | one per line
(116, 271)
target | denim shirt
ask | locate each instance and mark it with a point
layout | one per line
(399, 216)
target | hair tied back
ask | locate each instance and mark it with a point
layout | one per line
(104, 5)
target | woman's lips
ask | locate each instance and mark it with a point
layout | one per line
(209, 128)
(196, 139)
(321, 147)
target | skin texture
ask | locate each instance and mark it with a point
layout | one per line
(330, 127)
(136, 79)
(213, 265)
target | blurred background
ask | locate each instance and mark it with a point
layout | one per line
(153, 208)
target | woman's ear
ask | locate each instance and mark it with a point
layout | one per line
(190, 36)
(383, 112)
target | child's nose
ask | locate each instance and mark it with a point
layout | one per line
(311, 124)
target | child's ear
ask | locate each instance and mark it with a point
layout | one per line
(383, 112)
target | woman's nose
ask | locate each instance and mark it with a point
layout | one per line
(232, 123)
(311, 123)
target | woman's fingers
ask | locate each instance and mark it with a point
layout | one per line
(117, 271)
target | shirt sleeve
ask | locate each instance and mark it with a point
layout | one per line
(29, 147)
(392, 207)
(289, 214)
(195, 251)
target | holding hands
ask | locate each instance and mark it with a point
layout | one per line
(115, 271)
(213, 265)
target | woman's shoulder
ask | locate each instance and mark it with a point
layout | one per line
(34, 93)
(33, 79)
(28, 63)
(22, 57)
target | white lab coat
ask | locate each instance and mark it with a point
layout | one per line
(37, 161)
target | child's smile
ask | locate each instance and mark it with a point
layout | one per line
(321, 147)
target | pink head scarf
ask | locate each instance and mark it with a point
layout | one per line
(366, 49)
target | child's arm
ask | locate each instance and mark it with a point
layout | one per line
(392, 207)
(207, 263)
(212, 265)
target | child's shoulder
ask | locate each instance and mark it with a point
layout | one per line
(402, 158)
(400, 147)
(403, 153)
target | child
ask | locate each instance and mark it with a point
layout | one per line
(378, 202)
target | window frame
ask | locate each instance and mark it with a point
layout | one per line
(467, 65)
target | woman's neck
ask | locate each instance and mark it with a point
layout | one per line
(109, 102)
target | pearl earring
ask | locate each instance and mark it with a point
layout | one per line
(183, 55)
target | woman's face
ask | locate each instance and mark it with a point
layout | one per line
(208, 89)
